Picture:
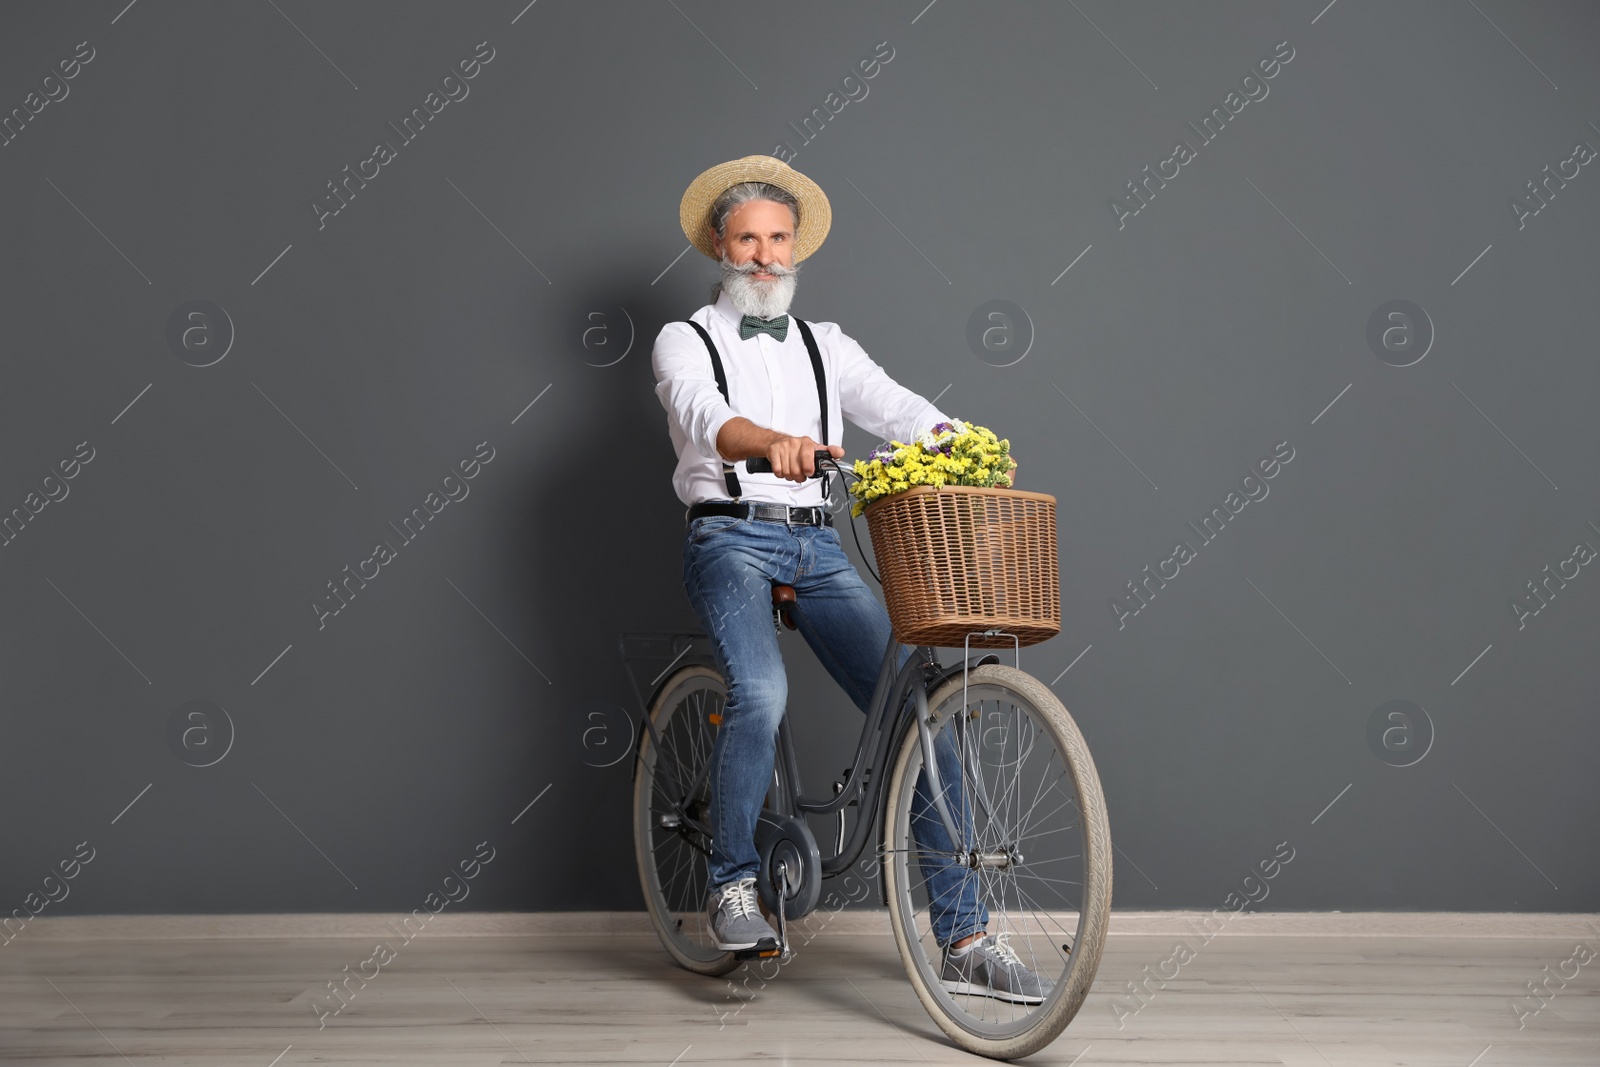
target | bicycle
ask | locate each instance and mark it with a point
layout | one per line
(1030, 819)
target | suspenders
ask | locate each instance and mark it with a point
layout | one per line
(728, 474)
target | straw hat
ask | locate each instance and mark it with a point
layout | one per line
(694, 213)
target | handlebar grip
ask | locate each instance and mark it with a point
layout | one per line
(763, 465)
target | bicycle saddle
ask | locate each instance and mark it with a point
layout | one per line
(782, 600)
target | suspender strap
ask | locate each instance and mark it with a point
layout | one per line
(822, 389)
(728, 475)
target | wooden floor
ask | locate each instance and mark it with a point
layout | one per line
(596, 998)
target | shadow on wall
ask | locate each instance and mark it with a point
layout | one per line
(602, 539)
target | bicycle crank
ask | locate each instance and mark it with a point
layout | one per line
(784, 951)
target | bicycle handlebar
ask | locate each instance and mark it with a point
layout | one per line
(763, 465)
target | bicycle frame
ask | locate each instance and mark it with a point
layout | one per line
(875, 749)
(876, 741)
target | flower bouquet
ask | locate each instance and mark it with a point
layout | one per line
(963, 556)
(952, 453)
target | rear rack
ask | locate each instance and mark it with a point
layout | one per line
(651, 655)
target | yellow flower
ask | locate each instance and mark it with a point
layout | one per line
(976, 457)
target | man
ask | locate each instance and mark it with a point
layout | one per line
(760, 219)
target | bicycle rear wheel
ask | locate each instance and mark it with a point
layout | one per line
(672, 816)
(1037, 819)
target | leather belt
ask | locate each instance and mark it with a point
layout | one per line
(788, 514)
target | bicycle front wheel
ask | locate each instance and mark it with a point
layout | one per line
(1036, 856)
(672, 816)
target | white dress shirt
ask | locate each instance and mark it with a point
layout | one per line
(770, 382)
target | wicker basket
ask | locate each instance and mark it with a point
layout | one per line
(956, 559)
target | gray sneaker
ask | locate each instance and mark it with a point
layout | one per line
(735, 922)
(990, 968)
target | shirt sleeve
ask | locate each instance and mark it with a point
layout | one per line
(876, 402)
(687, 387)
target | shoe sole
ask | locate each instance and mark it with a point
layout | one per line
(763, 944)
(984, 991)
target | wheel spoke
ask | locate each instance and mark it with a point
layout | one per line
(673, 784)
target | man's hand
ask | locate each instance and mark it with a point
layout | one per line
(794, 458)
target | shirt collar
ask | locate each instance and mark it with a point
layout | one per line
(724, 307)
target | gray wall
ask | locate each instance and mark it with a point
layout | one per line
(524, 249)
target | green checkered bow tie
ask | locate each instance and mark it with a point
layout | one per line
(751, 325)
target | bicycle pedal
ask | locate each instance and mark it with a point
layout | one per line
(764, 948)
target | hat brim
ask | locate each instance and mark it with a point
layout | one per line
(694, 212)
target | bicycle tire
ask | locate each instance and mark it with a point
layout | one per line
(677, 911)
(953, 1012)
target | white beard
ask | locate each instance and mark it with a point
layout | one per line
(764, 299)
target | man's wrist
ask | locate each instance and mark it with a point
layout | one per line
(745, 439)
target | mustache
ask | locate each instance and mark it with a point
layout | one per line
(776, 269)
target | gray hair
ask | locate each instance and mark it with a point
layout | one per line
(743, 193)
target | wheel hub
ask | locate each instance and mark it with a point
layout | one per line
(993, 859)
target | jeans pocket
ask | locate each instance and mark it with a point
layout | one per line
(706, 525)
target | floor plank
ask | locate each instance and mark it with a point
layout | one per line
(843, 999)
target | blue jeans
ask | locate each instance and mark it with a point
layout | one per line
(729, 565)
